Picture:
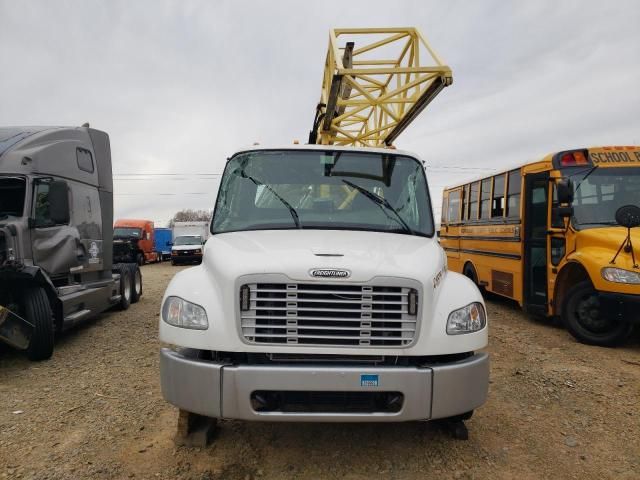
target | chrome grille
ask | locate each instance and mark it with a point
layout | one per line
(328, 314)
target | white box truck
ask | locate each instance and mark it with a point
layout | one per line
(188, 242)
(324, 295)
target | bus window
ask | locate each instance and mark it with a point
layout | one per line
(556, 220)
(463, 210)
(497, 208)
(453, 215)
(513, 195)
(473, 200)
(443, 214)
(485, 199)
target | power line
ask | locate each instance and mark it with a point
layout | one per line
(165, 174)
(164, 179)
(456, 167)
(162, 193)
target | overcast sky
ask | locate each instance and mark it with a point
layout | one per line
(180, 85)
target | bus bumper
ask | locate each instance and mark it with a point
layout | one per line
(625, 306)
(319, 393)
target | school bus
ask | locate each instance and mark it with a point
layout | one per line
(558, 236)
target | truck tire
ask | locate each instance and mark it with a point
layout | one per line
(126, 285)
(586, 320)
(38, 311)
(140, 259)
(136, 282)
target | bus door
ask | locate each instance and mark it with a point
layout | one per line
(535, 242)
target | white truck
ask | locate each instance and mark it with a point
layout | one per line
(324, 295)
(188, 242)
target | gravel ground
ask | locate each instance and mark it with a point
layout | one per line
(557, 409)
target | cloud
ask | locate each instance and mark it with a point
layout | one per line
(180, 85)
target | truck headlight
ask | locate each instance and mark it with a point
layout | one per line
(619, 275)
(466, 319)
(180, 313)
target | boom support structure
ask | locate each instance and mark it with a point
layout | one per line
(375, 85)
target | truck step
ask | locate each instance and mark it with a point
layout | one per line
(77, 316)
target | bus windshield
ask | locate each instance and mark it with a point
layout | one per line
(315, 189)
(600, 192)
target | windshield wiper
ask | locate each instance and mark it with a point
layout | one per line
(593, 169)
(382, 203)
(292, 211)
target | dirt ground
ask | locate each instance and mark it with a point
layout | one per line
(557, 409)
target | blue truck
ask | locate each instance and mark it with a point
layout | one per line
(163, 238)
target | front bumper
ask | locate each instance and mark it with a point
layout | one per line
(184, 258)
(625, 306)
(221, 390)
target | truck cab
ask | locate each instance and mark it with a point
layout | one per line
(323, 295)
(187, 249)
(133, 241)
(56, 233)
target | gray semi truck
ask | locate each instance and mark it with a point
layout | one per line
(56, 235)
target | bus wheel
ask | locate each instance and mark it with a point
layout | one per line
(470, 272)
(588, 322)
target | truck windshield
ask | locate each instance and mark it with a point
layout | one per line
(12, 195)
(127, 232)
(600, 192)
(191, 240)
(314, 189)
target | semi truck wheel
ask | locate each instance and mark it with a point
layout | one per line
(588, 322)
(38, 311)
(126, 286)
(136, 282)
(140, 259)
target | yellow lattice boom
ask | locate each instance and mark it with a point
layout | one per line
(375, 82)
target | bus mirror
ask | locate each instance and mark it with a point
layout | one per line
(564, 188)
(562, 212)
(628, 216)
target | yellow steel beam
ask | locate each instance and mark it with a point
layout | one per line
(375, 82)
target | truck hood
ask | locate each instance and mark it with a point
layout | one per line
(296, 252)
(186, 247)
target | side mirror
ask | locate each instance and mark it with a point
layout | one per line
(564, 189)
(59, 202)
